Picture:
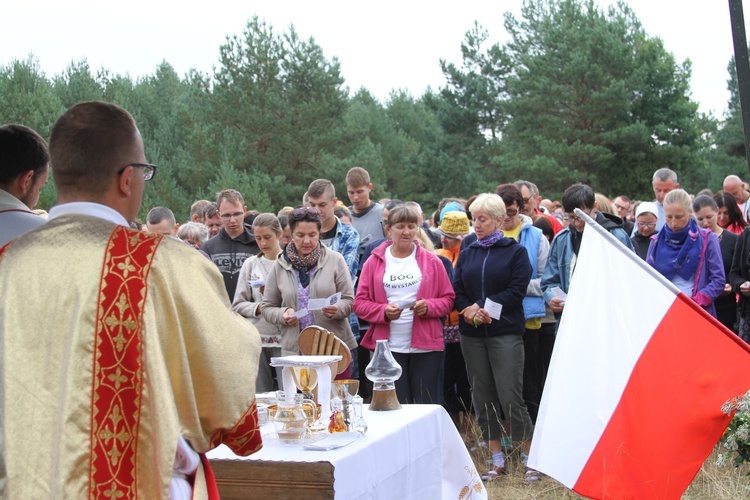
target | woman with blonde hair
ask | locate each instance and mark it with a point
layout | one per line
(687, 255)
(495, 271)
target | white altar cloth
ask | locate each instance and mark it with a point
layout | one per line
(414, 452)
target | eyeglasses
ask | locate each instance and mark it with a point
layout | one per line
(236, 215)
(574, 219)
(302, 212)
(644, 225)
(621, 207)
(149, 170)
(511, 213)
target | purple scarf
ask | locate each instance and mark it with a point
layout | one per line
(490, 240)
(678, 252)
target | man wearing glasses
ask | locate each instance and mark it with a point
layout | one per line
(117, 345)
(564, 250)
(235, 242)
(531, 199)
(622, 206)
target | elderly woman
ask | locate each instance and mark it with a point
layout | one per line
(248, 296)
(706, 214)
(308, 270)
(729, 216)
(194, 233)
(685, 254)
(497, 269)
(403, 292)
(646, 218)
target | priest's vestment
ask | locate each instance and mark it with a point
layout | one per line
(113, 343)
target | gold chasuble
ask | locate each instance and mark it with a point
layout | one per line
(114, 342)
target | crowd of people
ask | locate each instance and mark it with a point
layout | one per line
(469, 295)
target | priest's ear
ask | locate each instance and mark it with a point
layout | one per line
(125, 180)
(23, 182)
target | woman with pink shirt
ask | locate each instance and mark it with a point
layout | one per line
(403, 292)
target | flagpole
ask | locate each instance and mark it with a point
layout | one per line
(623, 249)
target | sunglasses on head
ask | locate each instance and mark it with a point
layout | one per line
(302, 212)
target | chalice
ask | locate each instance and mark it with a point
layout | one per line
(305, 378)
(345, 390)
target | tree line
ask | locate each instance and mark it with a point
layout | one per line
(578, 93)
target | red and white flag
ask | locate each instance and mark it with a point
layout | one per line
(632, 402)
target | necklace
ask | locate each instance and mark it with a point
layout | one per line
(263, 265)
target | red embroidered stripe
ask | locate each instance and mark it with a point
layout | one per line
(244, 438)
(117, 366)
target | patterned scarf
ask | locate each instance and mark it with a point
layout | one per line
(490, 240)
(300, 263)
(678, 252)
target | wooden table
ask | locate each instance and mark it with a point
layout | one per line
(414, 452)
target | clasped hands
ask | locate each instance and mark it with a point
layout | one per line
(393, 311)
(476, 315)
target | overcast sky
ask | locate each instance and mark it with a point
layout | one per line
(381, 46)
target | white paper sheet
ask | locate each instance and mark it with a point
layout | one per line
(318, 304)
(559, 294)
(494, 309)
(299, 314)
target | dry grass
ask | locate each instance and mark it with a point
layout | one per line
(711, 483)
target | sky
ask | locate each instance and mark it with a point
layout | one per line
(381, 46)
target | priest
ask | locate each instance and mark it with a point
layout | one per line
(121, 362)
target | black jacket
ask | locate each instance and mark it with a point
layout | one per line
(502, 273)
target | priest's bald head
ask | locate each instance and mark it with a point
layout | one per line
(97, 155)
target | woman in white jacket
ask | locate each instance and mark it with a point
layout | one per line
(249, 296)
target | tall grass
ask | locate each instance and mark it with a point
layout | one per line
(711, 483)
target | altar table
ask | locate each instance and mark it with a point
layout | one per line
(414, 452)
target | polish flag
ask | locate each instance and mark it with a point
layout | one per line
(632, 402)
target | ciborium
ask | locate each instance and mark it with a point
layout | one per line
(345, 390)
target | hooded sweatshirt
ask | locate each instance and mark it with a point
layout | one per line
(229, 254)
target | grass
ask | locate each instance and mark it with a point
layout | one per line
(711, 483)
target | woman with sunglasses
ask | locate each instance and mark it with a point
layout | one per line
(308, 270)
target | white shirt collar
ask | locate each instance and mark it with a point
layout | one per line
(88, 208)
(10, 202)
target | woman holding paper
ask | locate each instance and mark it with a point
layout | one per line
(491, 281)
(249, 295)
(403, 292)
(306, 271)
